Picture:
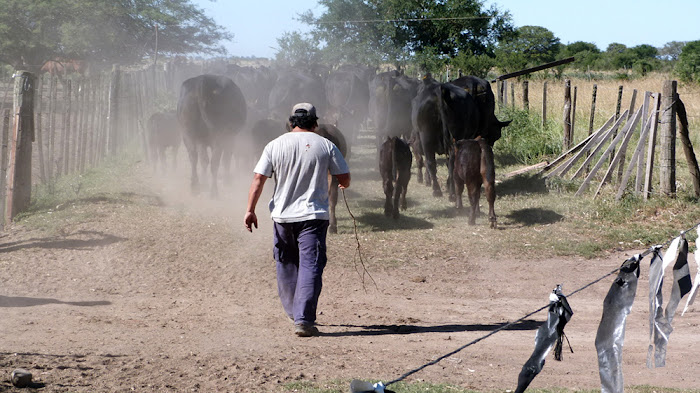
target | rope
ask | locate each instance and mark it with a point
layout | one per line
(358, 251)
(640, 256)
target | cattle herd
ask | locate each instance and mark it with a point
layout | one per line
(233, 116)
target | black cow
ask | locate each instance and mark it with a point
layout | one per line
(395, 168)
(390, 104)
(474, 166)
(252, 140)
(333, 134)
(445, 112)
(211, 110)
(293, 87)
(163, 134)
(348, 98)
(255, 83)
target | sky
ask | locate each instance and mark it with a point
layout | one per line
(256, 24)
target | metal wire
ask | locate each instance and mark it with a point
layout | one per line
(640, 256)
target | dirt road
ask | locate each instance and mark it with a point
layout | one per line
(155, 290)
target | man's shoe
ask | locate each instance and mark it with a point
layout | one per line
(305, 330)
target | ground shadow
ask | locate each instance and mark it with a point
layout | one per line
(20, 301)
(378, 330)
(533, 216)
(380, 222)
(522, 184)
(97, 239)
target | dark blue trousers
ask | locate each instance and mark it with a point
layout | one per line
(300, 252)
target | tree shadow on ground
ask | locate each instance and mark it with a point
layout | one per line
(532, 216)
(21, 301)
(378, 330)
(94, 240)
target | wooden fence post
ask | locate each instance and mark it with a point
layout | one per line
(499, 87)
(683, 132)
(573, 114)
(623, 154)
(590, 123)
(37, 129)
(512, 95)
(19, 170)
(113, 111)
(526, 98)
(639, 183)
(648, 174)
(67, 98)
(544, 104)
(667, 139)
(3, 162)
(567, 115)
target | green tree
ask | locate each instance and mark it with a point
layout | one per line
(393, 30)
(103, 31)
(531, 46)
(297, 50)
(585, 53)
(688, 65)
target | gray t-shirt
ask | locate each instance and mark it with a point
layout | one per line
(300, 163)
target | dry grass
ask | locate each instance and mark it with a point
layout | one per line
(606, 98)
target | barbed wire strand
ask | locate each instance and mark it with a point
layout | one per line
(642, 255)
(401, 20)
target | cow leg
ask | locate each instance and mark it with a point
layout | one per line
(403, 181)
(450, 176)
(459, 189)
(431, 169)
(474, 190)
(398, 191)
(194, 179)
(488, 174)
(226, 163)
(388, 186)
(215, 163)
(332, 202)
(415, 143)
(204, 160)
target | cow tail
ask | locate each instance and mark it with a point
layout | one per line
(394, 165)
(447, 140)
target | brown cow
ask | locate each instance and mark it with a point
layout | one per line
(395, 168)
(474, 166)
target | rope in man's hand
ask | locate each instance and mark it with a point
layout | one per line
(358, 251)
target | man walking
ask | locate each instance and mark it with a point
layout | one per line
(300, 161)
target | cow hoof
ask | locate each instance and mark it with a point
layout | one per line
(453, 198)
(395, 215)
(333, 229)
(437, 193)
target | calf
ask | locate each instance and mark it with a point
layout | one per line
(163, 133)
(395, 168)
(474, 166)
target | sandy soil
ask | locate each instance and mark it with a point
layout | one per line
(161, 291)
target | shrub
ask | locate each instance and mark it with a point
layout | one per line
(525, 141)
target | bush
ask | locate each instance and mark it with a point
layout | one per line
(688, 66)
(525, 141)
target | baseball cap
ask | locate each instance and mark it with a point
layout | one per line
(304, 109)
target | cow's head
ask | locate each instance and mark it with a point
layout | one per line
(494, 132)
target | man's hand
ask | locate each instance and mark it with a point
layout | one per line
(250, 220)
